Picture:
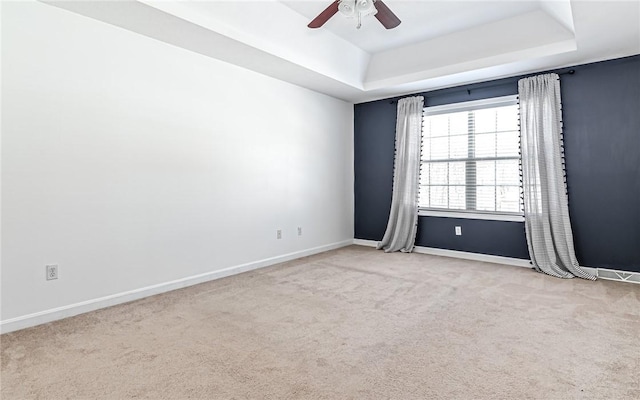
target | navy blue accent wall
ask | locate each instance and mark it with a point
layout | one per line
(601, 111)
(501, 238)
(601, 114)
(373, 147)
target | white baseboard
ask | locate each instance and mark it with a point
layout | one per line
(54, 314)
(516, 262)
(458, 254)
(362, 242)
(70, 310)
(601, 273)
(592, 271)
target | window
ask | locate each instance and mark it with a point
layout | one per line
(470, 157)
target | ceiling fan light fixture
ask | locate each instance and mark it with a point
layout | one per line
(357, 8)
(366, 7)
(347, 8)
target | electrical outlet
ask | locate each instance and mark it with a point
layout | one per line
(279, 234)
(52, 271)
(299, 231)
(458, 231)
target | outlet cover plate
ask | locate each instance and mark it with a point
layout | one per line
(52, 271)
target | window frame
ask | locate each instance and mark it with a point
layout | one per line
(472, 214)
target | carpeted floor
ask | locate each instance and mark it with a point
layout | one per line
(353, 323)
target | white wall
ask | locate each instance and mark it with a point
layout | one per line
(130, 162)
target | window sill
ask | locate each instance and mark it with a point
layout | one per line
(471, 215)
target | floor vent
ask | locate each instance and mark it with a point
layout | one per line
(622, 276)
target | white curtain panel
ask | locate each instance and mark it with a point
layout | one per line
(403, 217)
(546, 208)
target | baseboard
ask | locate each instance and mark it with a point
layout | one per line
(458, 254)
(601, 273)
(367, 243)
(516, 262)
(592, 271)
(71, 310)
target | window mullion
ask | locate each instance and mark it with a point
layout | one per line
(495, 167)
(448, 164)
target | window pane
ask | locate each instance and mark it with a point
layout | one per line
(485, 120)
(438, 173)
(457, 173)
(423, 196)
(508, 118)
(485, 198)
(438, 196)
(508, 198)
(508, 144)
(458, 147)
(439, 125)
(439, 148)
(488, 140)
(486, 145)
(458, 123)
(457, 197)
(485, 173)
(424, 173)
(507, 172)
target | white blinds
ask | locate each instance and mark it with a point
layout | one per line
(470, 157)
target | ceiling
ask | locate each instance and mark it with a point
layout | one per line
(421, 20)
(438, 44)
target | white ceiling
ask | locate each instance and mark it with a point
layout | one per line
(421, 20)
(438, 44)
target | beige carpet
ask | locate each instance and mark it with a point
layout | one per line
(352, 323)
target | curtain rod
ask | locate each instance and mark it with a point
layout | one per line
(569, 72)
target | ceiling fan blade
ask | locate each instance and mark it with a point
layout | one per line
(386, 17)
(324, 16)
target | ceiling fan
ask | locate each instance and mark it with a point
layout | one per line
(358, 9)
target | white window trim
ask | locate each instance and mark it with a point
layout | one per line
(470, 215)
(472, 105)
(466, 106)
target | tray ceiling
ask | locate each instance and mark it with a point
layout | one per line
(438, 44)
